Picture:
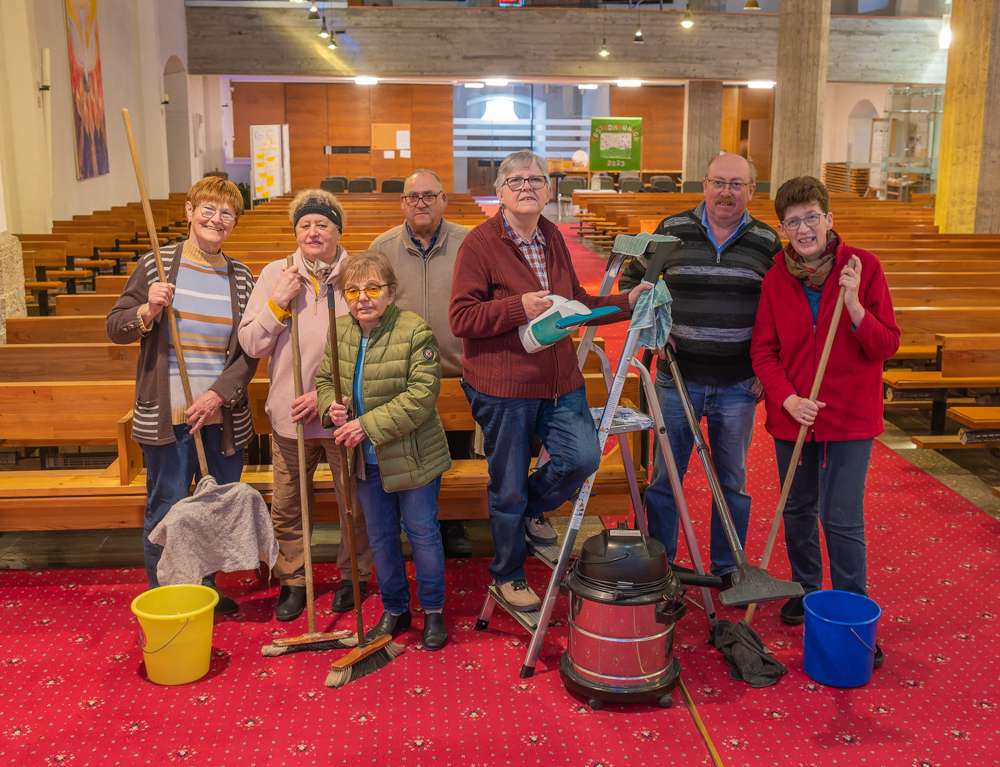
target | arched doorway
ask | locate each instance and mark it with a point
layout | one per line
(175, 84)
(859, 131)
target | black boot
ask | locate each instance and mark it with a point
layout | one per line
(225, 605)
(456, 543)
(389, 624)
(343, 600)
(435, 634)
(291, 603)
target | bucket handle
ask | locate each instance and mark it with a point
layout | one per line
(861, 640)
(152, 652)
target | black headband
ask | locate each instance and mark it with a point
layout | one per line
(318, 206)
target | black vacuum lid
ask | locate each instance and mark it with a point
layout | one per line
(623, 559)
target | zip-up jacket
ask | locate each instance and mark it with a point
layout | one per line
(425, 284)
(491, 275)
(715, 295)
(787, 347)
(151, 415)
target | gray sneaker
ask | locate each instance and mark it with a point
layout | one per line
(541, 531)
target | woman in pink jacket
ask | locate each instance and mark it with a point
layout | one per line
(796, 308)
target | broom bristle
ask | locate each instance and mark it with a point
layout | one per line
(368, 665)
(274, 651)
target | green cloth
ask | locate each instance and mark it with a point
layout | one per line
(652, 316)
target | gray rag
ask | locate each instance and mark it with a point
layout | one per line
(746, 655)
(652, 316)
(218, 529)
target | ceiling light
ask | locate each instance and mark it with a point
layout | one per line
(751, 5)
(365, 80)
(688, 21)
(638, 35)
(499, 111)
(475, 85)
(588, 87)
(944, 39)
(497, 81)
(604, 48)
(628, 83)
(324, 32)
(313, 13)
(333, 42)
(761, 84)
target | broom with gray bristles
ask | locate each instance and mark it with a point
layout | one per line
(366, 658)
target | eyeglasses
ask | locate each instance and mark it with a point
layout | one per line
(793, 224)
(734, 186)
(209, 212)
(427, 198)
(372, 291)
(517, 184)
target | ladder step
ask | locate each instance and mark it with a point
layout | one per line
(626, 420)
(528, 621)
(546, 553)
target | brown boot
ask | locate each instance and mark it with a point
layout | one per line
(518, 595)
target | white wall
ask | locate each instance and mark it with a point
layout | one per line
(840, 100)
(3, 213)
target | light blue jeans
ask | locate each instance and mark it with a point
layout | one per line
(730, 412)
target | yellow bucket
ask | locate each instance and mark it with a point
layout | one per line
(175, 632)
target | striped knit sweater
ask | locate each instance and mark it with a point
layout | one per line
(715, 295)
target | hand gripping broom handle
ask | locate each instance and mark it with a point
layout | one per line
(305, 500)
(350, 493)
(790, 473)
(155, 242)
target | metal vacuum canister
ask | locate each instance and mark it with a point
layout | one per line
(624, 602)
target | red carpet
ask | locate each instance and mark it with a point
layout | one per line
(74, 690)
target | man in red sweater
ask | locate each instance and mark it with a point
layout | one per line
(504, 271)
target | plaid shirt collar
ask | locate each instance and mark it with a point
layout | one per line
(537, 241)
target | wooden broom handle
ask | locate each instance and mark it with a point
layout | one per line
(155, 242)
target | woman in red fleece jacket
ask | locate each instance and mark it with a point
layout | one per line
(797, 302)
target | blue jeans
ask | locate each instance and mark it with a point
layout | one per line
(170, 469)
(730, 411)
(828, 488)
(509, 426)
(418, 510)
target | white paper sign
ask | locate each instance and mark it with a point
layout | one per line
(388, 154)
(404, 153)
(402, 139)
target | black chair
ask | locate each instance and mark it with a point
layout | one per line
(360, 185)
(663, 183)
(565, 192)
(392, 186)
(334, 185)
(370, 178)
(763, 187)
(692, 187)
(629, 185)
(606, 182)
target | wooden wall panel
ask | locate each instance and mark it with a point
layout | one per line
(662, 113)
(349, 124)
(731, 120)
(391, 104)
(433, 136)
(255, 104)
(306, 112)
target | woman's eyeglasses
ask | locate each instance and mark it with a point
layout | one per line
(517, 184)
(209, 212)
(793, 224)
(372, 291)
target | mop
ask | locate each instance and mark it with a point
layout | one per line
(313, 641)
(367, 657)
(803, 429)
(211, 502)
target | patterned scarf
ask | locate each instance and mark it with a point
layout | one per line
(813, 273)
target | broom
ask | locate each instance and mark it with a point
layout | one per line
(313, 641)
(244, 494)
(797, 451)
(366, 658)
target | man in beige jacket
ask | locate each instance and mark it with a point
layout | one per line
(422, 252)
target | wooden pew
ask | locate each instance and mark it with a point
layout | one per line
(74, 329)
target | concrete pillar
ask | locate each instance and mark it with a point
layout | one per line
(803, 46)
(702, 126)
(968, 195)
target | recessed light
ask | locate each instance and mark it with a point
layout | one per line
(499, 82)
(761, 84)
(475, 85)
(588, 87)
(628, 83)
(365, 80)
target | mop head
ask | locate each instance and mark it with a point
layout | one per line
(752, 584)
(308, 643)
(346, 670)
(637, 244)
(748, 659)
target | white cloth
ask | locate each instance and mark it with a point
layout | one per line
(221, 528)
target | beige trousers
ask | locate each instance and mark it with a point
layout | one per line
(286, 514)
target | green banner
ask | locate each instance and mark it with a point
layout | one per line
(615, 143)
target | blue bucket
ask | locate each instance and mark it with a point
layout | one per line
(839, 645)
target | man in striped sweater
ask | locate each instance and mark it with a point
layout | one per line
(715, 280)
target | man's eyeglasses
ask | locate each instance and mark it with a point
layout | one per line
(793, 224)
(517, 184)
(209, 212)
(372, 291)
(734, 186)
(427, 198)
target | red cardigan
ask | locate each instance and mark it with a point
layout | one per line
(786, 348)
(490, 277)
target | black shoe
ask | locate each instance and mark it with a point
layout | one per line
(225, 605)
(879, 657)
(343, 600)
(291, 603)
(389, 624)
(456, 542)
(435, 634)
(793, 613)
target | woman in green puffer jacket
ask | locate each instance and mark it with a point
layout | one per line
(389, 361)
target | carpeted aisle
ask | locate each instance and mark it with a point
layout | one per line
(74, 691)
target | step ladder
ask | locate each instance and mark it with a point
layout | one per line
(611, 420)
